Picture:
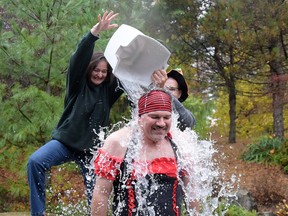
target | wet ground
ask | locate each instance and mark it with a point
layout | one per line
(15, 214)
(20, 214)
(267, 184)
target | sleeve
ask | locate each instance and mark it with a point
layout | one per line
(186, 118)
(79, 62)
(106, 165)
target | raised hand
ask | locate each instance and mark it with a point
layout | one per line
(104, 23)
(159, 77)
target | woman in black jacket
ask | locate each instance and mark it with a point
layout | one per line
(91, 90)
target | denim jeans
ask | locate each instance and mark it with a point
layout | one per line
(51, 154)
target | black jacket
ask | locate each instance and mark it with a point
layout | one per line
(86, 106)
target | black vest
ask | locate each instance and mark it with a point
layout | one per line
(166, 199)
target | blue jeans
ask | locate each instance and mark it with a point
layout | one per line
(51, 154)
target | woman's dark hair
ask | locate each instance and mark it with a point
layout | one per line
(95, 59)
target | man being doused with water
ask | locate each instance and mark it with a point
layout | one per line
(141, 163)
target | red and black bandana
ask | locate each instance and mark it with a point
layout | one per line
(155, 100)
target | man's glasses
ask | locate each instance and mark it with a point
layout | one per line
(171, 88)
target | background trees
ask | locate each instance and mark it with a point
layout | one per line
(233, 54)
(239, 47)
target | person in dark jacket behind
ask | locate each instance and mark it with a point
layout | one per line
(91, 90)
(174, 82)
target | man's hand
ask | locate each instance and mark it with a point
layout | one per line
(159, 78)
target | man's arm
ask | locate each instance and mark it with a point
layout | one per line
(104, 186)
(102, 190)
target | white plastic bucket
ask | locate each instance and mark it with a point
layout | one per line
(134, 56)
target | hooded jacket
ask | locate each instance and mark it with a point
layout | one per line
(86, 106)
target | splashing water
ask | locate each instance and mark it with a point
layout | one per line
(205, 183)
(134, 90)
(66, 199)
(195, 157)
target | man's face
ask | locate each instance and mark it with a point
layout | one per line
(173, 87)
(155, 125)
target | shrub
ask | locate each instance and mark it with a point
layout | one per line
(268, 150)
(233, 210)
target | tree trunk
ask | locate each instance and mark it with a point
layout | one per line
(232, 112)
(278, 124)
(278, 95)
